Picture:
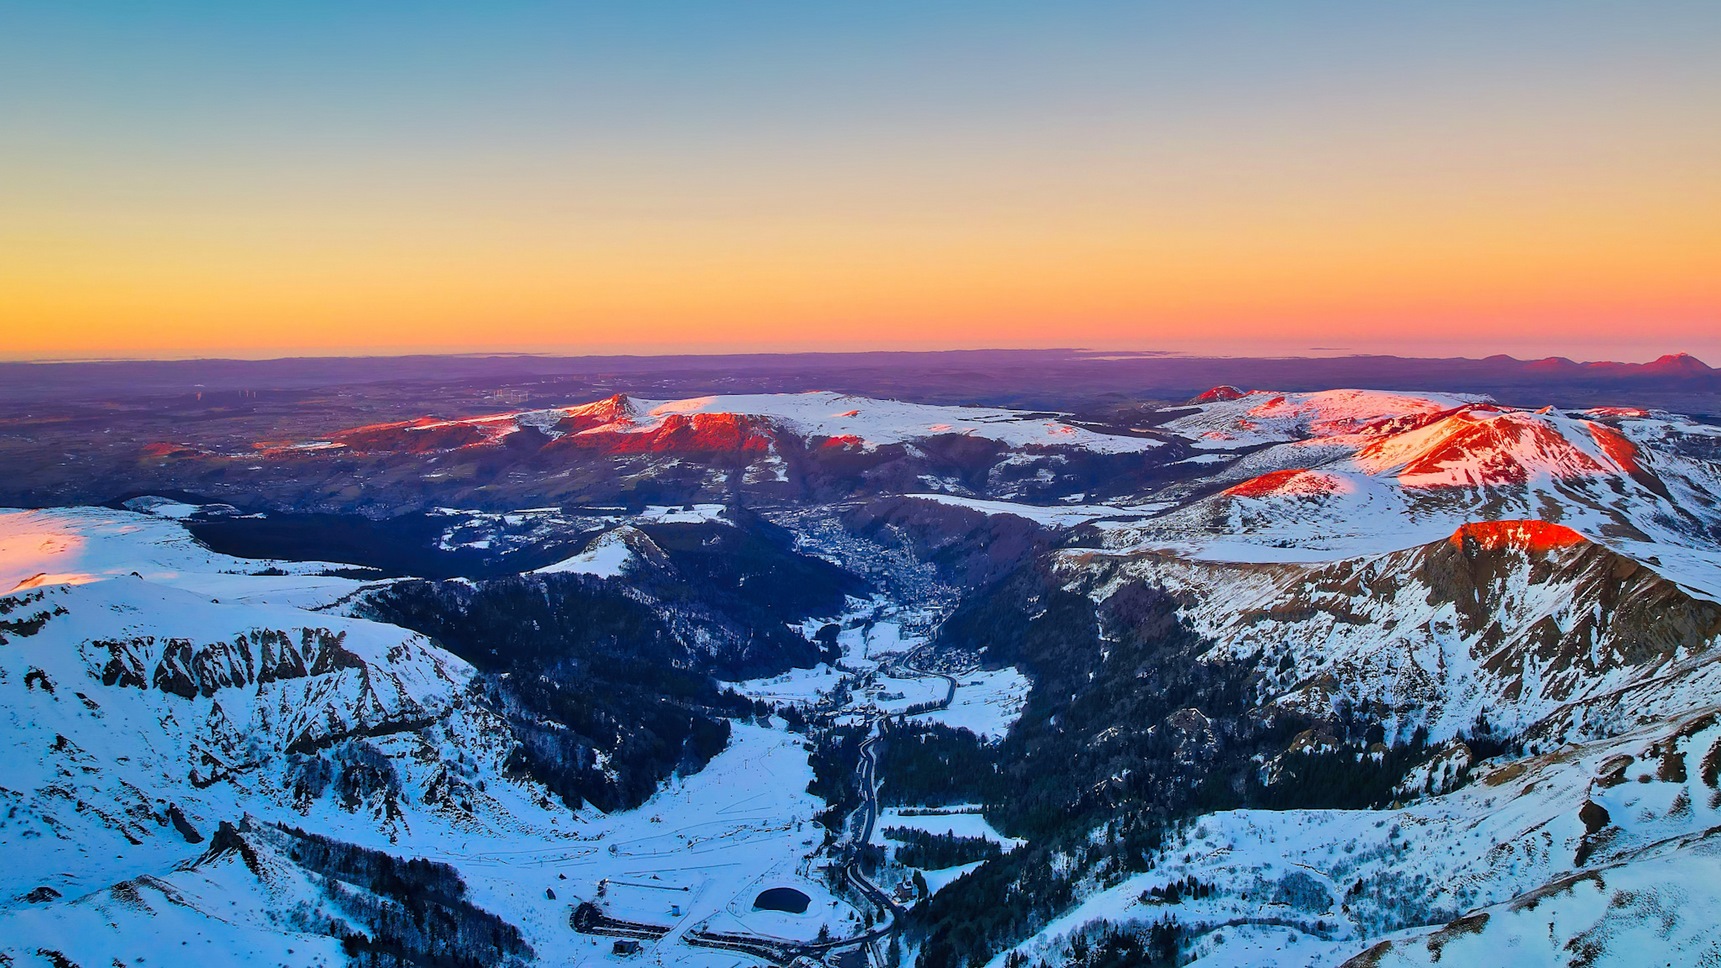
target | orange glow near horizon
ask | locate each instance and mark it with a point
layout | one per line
(1414, 279)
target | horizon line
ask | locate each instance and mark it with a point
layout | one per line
(1101, 354)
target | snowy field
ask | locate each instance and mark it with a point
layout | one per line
(987, 703)
(1061, 516)
(957, 822)
(894, 695)
(800, 686)
(76, 545)
(707, 844)
(872, 628)
(879, 636)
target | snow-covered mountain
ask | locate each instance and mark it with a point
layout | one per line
(812, 446)
(744, 422)
(79, 545)
(1533, 594)
(1503, 620)
(1343, 473)
(1225, 418)
(152, 691)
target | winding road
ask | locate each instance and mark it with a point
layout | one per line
(867, 771)
(779, 952)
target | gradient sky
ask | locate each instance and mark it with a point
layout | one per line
(263, 178)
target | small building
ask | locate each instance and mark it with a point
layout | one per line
(625, 946)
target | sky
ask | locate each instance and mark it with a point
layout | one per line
(1248, 178)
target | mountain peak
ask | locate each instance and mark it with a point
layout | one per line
(1670, 364)
(1220, 393)
(615, 407)
(1678, 363)
(1526, 535)
(1289, 482)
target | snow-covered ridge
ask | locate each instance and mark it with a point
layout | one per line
(79, 545)
(177, 699)
(151, 689)
(743, 422)
(823, 414)
(74, 545)
(608, 555)
(1227, 419)
(158, 692)
(1512, 620)
(1483, 445)
(1344, 473)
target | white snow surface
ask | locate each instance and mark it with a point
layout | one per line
(1056, 517)
(607, 556)
(957, 821)
(797, 686)
(1265, 417)
(211, 914)
(1502, 850)
(987, 702)
(685, 514)
(76, 545)
(825, 414)
(163, 507)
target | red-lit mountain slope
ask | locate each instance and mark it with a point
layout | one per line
(1342, 473)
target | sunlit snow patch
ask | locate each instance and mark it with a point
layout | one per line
(606, 557)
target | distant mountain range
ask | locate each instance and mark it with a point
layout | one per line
(1033, 379)
(1671, 366)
